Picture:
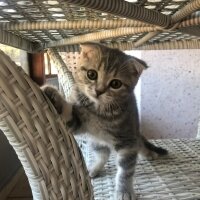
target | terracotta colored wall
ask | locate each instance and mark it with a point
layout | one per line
(170, 94)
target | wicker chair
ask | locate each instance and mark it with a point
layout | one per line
(48, 152)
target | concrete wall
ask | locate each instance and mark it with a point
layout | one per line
(170, 94)
(24, 61)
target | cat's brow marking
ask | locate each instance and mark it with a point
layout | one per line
(100, 64)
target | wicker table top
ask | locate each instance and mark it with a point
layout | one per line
(175, 177)
(35, 25)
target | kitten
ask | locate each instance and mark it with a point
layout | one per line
(104, 106)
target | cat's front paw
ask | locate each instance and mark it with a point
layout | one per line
(63, 108)
(125, 196)
(54, 96)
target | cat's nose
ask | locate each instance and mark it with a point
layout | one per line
(99, 92)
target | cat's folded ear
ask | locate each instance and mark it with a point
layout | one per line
(137, 66)
(89, 50)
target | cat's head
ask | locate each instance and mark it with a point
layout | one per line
(106, 75)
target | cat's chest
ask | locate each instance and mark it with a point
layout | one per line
(94, 124)
(98, 130)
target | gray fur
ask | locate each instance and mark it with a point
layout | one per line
(110, 117)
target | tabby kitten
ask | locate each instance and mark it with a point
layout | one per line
(104, 106)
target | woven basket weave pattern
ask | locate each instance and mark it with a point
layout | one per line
(47, 151)
(174, 177)
(36, 25)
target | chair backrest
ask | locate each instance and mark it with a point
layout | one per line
(48, 152)
(65, 78)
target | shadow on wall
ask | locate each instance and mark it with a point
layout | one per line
(9, 161)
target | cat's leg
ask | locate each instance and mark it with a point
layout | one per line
(68, 112)
(126, 161)
(101, 155)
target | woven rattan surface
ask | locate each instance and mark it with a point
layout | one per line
(47, 150)
(175, 177)
(40, 24)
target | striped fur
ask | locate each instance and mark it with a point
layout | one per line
(111, 116)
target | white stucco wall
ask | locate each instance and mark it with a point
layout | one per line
(24, 61)
(170, 94)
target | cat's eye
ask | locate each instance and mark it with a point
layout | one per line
(115, 84)
(92, 74)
